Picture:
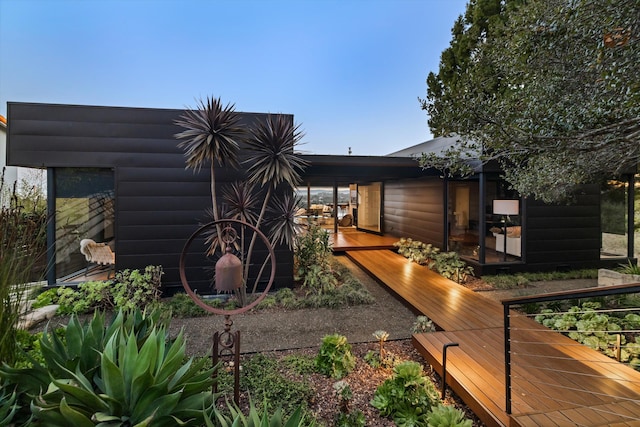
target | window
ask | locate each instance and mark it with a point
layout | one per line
(84, 209)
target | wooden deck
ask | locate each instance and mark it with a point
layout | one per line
(555, 381)
(352, 240)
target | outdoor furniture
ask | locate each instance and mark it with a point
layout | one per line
(97, 253)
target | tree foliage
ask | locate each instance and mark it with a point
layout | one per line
(549, 89)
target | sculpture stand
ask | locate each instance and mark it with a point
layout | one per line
(226, 346)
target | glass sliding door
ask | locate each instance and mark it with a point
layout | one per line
(370, 207)
(84, 209)
(613, 219)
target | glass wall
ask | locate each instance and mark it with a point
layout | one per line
(84, 209)
(317, 207)
(613, 219)
(463, 218)
(472, 223)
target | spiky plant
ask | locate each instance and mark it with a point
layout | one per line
(273, 161)
(282, 224)
(212, 134)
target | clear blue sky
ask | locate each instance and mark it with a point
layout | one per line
(350, 71)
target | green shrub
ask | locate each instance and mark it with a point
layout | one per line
(181, 305)
(416, 251)
(450, 266)
(312, 254)
(334, 357)
(133, 289)
(422, 325)
(447, 416)
(261, 376)
(407, 396)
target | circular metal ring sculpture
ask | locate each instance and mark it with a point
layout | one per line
(226, 239)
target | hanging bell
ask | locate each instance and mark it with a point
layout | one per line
(228, 272)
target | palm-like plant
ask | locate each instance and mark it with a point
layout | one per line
(212, 133)
(273, 161)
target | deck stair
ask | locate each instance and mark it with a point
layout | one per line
(582, 387)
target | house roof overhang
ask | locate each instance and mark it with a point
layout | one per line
(327, 170)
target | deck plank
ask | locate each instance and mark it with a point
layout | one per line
(555, 381)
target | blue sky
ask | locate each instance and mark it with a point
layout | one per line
(350, 71)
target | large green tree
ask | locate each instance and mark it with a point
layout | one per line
(548, 88)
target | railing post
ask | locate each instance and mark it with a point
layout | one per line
(444, 366)
(507, 358)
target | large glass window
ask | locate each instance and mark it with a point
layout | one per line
(84, 207)
(463, 218)
(613, 219)
(317, 207)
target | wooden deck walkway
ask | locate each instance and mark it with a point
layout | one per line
(358, 240)
(569, 385)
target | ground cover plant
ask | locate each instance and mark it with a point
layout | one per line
(604, 324)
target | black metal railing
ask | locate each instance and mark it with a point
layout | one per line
(581, 294)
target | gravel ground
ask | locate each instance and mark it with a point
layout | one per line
(263, 331)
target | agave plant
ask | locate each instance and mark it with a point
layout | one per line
(143, 383)
(255, 419)
(77, 359)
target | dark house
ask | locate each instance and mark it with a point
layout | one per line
(116, 175)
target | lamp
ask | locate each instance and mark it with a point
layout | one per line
(506, 208)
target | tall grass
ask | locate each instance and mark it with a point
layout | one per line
(22, 245)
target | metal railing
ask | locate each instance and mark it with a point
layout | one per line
(509, 329)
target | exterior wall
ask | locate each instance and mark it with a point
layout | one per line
(564, 236)
(159, 203)
(415, 208)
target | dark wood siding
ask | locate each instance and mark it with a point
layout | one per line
(564, 235)
(414, 208)
(159, 203)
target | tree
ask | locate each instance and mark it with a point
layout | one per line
(213, 134)
(549, 89)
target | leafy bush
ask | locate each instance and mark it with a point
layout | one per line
(130, 290)
(312, 257)
(181, 305)
(596, 329)
(450, 266)
(334, 357)
(447, 416)
(134, 289)
(447, 264)
(416, 251)
(422, 325)
(407, 396)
